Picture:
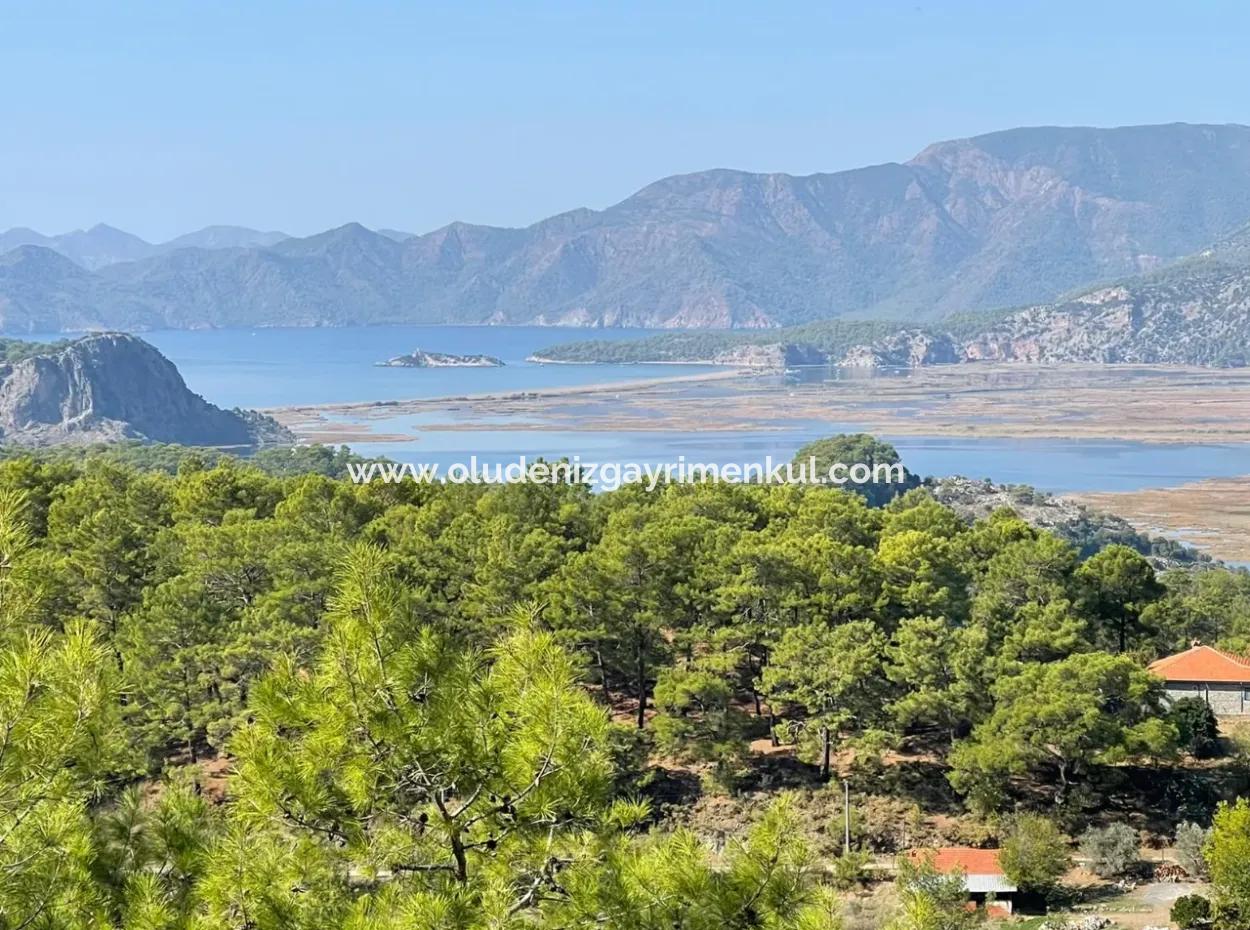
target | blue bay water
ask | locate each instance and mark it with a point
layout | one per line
(279, 367)
(1056, 465)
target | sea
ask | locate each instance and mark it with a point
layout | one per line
(282, 367)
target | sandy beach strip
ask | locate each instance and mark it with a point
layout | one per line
(572, 390)
(1131, 403)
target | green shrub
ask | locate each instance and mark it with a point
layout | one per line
(847, 870)
(1111, 850)
(1034, 853)
(1190, 911)
(1196, 726)
(1190, 839)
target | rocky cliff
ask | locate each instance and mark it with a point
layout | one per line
(113, 386)
(1194, 315)
(770, 356)
(910, 348)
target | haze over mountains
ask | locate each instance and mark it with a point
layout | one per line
(1195, 311)
(1010, 218)
(104, 245)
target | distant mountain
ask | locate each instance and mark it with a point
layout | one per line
(92, 248)
(396, 234)
(223, 237)
(1233, 249)
(1011, 218)
(19, 236)
(1193, 312)
(113, 386)
(41, 290)
(103, 245)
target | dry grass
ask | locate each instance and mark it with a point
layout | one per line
(1213, 515)
(1044, 401)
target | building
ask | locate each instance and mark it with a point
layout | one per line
(983, 876)
(1219, 678)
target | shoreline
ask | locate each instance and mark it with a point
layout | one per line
(1146, 404)
(599, 387)
(703, 362)
(333, 433)
(1210, 515)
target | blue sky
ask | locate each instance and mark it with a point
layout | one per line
(164, 117)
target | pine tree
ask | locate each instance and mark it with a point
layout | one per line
(412, 761)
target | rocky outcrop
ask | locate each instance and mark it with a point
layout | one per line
(1087, 529)
(1195, 314)
(420, 359)
(112, 386)
(774, 356)
(910, 348)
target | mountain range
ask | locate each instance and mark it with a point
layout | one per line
(103, 245)
(1195, 311)
(1020, 217)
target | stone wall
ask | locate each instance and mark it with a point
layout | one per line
(1227, 700)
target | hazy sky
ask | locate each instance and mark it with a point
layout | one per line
(164, 117)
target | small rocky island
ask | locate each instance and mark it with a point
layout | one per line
(419, 359)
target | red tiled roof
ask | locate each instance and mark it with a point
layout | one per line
(1203, 663)
(961, 859)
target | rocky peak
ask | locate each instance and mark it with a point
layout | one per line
(106, 387)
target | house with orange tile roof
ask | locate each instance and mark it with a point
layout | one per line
(984, 880)
(1220, 678)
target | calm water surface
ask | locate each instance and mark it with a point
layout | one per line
(275, 367)
(278, 367)
(1055, 465)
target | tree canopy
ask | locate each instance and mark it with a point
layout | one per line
(232, 698)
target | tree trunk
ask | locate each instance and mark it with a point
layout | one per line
(753, 670)
(603, 675)
(461, 869)
(457, 852)
(117, 653)
(1062, 791)
(826, 753)
(641, 658)
(186, 716)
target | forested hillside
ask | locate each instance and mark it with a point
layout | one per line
(235, 700)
